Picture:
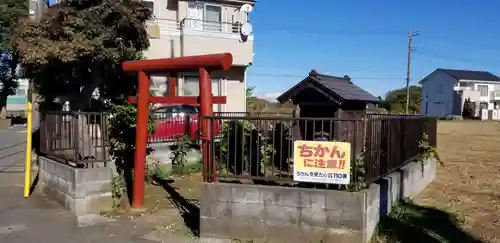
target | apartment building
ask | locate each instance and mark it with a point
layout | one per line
(188, 27)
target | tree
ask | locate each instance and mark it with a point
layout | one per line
(79, 46)
(250, 98)
(10, 13)
(395, 100)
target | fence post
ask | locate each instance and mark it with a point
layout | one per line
(432, 131)
(401, 139)
(76, 138)
(367, 153)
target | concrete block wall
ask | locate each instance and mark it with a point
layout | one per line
(416, 176)
(407, 182)
(81, 190)
(284, 214)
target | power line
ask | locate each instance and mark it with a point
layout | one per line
(367, 33)
(304, 70)
(430, 53)
(331, 32)
(303, 76)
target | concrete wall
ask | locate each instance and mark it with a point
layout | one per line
(285, 214)
(80, 190)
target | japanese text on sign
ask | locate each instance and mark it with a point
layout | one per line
(323, 162)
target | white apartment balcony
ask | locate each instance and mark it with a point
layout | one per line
(495, 95)
(460, 88)
(171, 38)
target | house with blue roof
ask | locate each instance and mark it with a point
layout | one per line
(446, 91)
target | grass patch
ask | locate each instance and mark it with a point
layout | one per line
(157, 199)
(469, 184)
(412, 223)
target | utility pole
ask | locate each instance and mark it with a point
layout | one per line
(411, 34)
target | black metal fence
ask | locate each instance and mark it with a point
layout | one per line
(75, 138)
(261, 148)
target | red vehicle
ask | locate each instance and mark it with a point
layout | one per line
(176, 120)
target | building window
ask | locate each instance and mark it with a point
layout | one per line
(150, 5)
(203, 16)
(191, 87)
(213, 18)
(483, 90)
(20, 92)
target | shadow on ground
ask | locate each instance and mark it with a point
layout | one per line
(411, 223)
(189, 208)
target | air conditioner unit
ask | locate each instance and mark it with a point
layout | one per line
(153, 30)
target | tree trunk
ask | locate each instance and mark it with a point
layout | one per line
(89, 135)
(3, 106)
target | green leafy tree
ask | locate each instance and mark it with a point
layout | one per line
(250, 98)
(78, 46)
(395, 100)
(11, 11)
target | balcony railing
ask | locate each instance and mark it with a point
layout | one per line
(211, 26)
(166, 24)
(156, 25)
(495, 95)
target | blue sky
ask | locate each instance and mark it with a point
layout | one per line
(368, 39)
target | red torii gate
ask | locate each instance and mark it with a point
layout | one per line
(203, 64)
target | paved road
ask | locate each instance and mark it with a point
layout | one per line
(12, 151)
(38, 220)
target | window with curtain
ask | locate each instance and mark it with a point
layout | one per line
(191, 87)
(213, 18)
(483, 90)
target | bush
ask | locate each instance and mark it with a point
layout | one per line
(451, 118)
(122, 131)
(243, 133)
(181, 161)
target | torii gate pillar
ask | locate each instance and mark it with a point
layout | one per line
(203, 64)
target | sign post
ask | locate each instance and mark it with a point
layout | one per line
(322, 162)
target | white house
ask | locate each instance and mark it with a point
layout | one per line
(187, 27)
(445, 91)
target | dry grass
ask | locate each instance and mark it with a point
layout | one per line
(469, 183)
(156, 198)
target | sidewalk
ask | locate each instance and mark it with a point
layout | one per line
(37, 220)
